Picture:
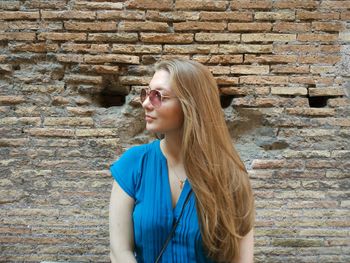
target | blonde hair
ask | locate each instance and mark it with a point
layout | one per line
(219, 179)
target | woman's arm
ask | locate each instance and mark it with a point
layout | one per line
(121, 231)
(246, 248)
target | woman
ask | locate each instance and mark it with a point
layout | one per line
(193, 175)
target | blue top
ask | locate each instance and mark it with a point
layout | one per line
(142, 172)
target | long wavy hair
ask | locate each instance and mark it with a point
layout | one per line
(219, 179)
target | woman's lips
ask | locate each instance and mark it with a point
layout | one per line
(149, 118)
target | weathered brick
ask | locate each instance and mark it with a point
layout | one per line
(291, 27)
(307, 49)
(77, 78)
(33, 121)
(172, 16)
(19, 15)
(286, 4)
(342, 122)
(62, 36)
(344, 36)
(250, 58)
(143, 26)
(100, 132)
(219, 59)
(134, 80)
(20, 36)
(125, 14)
(328, 26)
(262, 80)
(68, 14)
(111, 58)
(288, 91)
(113, 37)
(10, 5)
(33, 47)
(310, 111)
(224, 80)
(270, 37)
(201, 5)
(251, 4)
(249, 69)
(166, 38)
(90, 26)
(49, 132)
(245, 27)
(149, 4)
(335, 5)
(143, 49)
(227, 15)
(312, 37)
(272, 164)
(290, 69)
(102, 69)
(29, 25)
(69, 58)
(44, 4)
(217, 37)
(278, 15)
(10, 100)
(240, 48)
(68, 121)
(194, 48)
(307, 59)
(97, 5)
(194, 25)
(91, 48)
(316, 15)
(244, 91)
(337, 102)
(219, 70)
(345, 15)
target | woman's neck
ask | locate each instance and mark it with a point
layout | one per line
(171, 146)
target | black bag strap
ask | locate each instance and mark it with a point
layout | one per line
(173, 229)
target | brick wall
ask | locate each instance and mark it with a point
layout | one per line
(70, 71)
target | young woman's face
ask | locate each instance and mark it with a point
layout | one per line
(168, 117)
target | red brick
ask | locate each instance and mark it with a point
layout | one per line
(172, 16)
(68, 14)
(217, 37)
(263, 80)
(219, 70)
(61, 36)
(219, 59)
(200, 5)
(291, 27)
(270, 59)
(90, 48)
(166, 38)
(345, 4)
(78, 4)
(250, 70)
(329, 91)
(90, 26)
(240, 48)
(191, 49)
(149, 4)
(306, 48)
(17, 36)
(316, 15)
(227, 15)
(317, 37)
(345, 15)
(34, 47)
(192, 25)
(291, 4)
(111, 58)
(113, 37)
(245, 27)
(17, 15)
(224, 80)
(328, 26)
(125, 14)
(251, 4)
(143, 26)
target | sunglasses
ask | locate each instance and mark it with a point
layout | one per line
(155, 97)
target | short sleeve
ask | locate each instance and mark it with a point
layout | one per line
(126, 170)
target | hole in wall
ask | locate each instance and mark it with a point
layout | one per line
(318, 102)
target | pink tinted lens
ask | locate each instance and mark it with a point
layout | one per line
(155, 97)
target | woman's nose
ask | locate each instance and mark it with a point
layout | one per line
(146, 104)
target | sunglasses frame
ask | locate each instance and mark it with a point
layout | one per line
(152, 94)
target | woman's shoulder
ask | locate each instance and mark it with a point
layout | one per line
(138, 151)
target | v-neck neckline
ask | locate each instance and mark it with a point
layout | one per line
(184, 192)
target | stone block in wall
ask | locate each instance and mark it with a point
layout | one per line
(217, 37)
(227, 15)
(185, 38)
(96, 5)
(201, 5)
(194, 25)
(121, 15)
(251, 4)
(245, 48)
(250, 26)
(113, 37)
(149, 4)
